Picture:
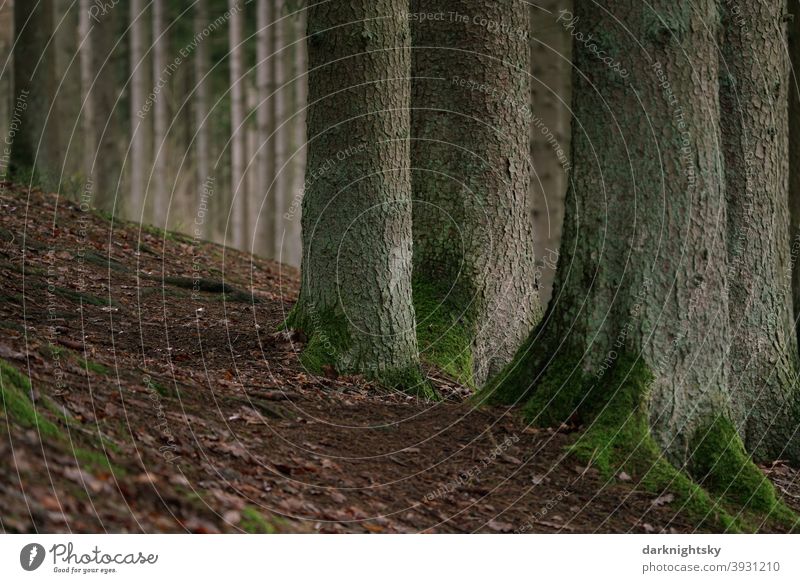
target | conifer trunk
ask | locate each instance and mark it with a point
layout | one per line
(754, 105)
(473, 256)
(643, 267)
(355, 297)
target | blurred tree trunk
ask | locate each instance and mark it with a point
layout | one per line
(265, 160)
(470, 151)
(279, 129)
(159, 180)
(7, 75)
(68, 99)
(98, 95)
(239, 207)
(140, 121)
(355, 298)
(551, 51)
(292, 243)
(35, 142)
(201, 125)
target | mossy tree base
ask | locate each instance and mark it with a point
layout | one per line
(445, 334)
(330, 347)
(719, 487)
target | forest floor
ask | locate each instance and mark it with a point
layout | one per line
(155, 407)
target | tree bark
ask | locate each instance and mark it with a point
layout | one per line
(239, 210)
(355, 298)
(643, 267)
(202, 133)
(265, 160)
(293, 248)
(794, 156)
(140, 122)
(471, 157)
(159, 178)
(754, 105)
(7, 78)
(98, 98)
(35, 143)
(279, 128)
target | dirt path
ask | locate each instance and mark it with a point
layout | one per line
(178, 409)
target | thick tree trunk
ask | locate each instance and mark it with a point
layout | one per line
(35, 142)
(66, 20)
(355, 298)
(754, 105)
(643, 261)
(470, 151)
(140, 121)
(551, 69)
(239, 226)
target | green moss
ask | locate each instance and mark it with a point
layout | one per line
(253, 522)
(103, 261)
(15, 389)
(328, 336)
(559, 395)
(721, 464)
(618, 439)
(8, 325)
(410, 381)
(444, 334)
(85, 298)
(94, 367)
(96, 462)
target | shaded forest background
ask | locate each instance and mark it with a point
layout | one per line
(174, 113)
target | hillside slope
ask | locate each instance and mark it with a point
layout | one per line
(146, 389)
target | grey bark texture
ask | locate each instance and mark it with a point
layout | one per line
(355, 297)
(470, 154)
(643, 267)
(754, 72)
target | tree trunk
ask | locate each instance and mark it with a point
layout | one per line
(238, 211)
(794, 156)
(35, 142)
(202, 138)
(754, 104)
(7, 78)
(473, 260)
(264, 161)
(140, 121)
(99, 99)
(642, 272)
(551, 69)
(66, 18)
(159, 178)
(355, 298)
(293, 248)
(279, 130)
